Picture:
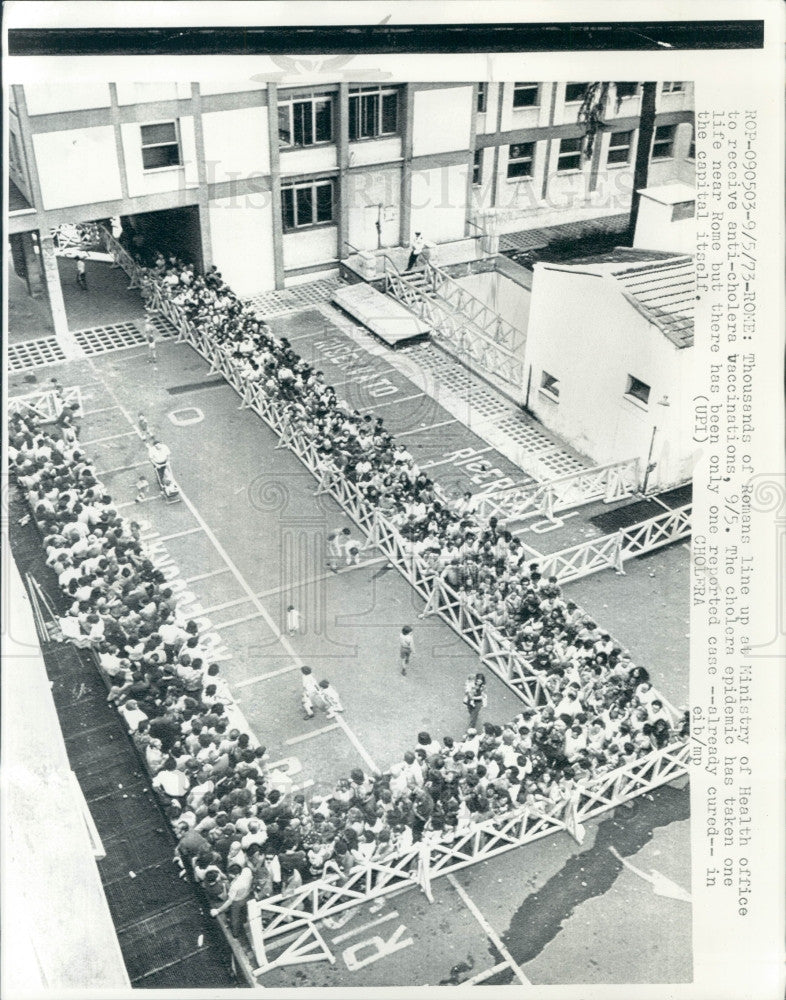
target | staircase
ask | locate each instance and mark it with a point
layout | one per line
(462, 325)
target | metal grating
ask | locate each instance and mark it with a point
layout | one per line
(114, 337)
(34, 354)
(290, 299)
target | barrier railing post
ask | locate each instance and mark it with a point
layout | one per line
(619, 569)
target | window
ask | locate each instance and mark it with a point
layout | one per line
(692, 144)
(525, 95)
(619, 147)
(306, 204)
(683, 210)
(520, 159)
(549, 385)
(575, 92)
(482, 97)
(477, 166)
(626, 89)
(663, 142)
(305, 121)
(569, 155)
(160, 146)
(373, 112)
(673, 87)
(638, 390)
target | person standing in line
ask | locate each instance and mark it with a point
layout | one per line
(311, 693)
(331, 699)
(406, 645)
(81, 273)
(418, 244)
(475, 697)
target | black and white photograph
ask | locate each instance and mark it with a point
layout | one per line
(355, 588)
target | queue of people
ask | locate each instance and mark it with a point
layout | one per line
(239, 834)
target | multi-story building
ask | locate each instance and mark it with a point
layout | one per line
(276, 184)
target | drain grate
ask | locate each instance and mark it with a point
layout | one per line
(34, 353)
(113, 337)
(289, 299)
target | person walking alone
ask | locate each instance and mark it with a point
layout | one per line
(475, 697)
(81, 273)
(406, 644)
(418, 244)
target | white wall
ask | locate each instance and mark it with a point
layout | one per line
(141, 92)
(236, 143)
(442, 120)
(48, 98)
(531, 117)
(375, 151)
(584, 333)
(310, 160)
(140, 181)
(316, 246)
(77, 167)
(655, 229)
(242, 246)
(366, 192)
(230, 86)
(439, 202)
(502, 295)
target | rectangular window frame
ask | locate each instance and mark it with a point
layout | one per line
(549, 386)
(661, 144)
(571, 154)
(527, 160)
(524, 90)
(615, 148)
(638, 392)
(624, 93)
(290, 190)
(673, 87)
(580, 98)
(691, 154)
(288, 103)
(477, 168)
(161, 145)
(380, 92)
(483, 98)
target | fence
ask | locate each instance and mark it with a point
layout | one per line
(416, 866)
(47, 404)
(604, 482)
(476, 347)
(611, 551)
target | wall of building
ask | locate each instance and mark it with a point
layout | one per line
(503, 296)
(439, 202)
(227, 158)
(442, 120)
(240, 230)
(662, 226)
(372, 196)
(78, 166)
(584, 333)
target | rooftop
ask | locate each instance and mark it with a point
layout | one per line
(660, 285)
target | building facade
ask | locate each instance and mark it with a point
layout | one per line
(276, 184)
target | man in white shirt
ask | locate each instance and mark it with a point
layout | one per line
(418, 244)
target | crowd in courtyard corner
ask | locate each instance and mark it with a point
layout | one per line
(239, 835)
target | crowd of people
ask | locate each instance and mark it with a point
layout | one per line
(239, 834)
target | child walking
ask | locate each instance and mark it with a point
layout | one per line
(331, 699)
(406, 645)
(293, 619)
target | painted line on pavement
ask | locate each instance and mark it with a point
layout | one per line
(365, 927)
(323, 576)
(103, 409)
(357, 744)
(239, 621)
(227, 604)
(110, 437)
(406, 399)
(447, 461)
(179, 534)
(492, 934)
(432, 427)
(264, 677)
(307, 736)
(123, 468)
(204, 576)
(481, 976)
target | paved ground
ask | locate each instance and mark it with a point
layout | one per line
(248, 538)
